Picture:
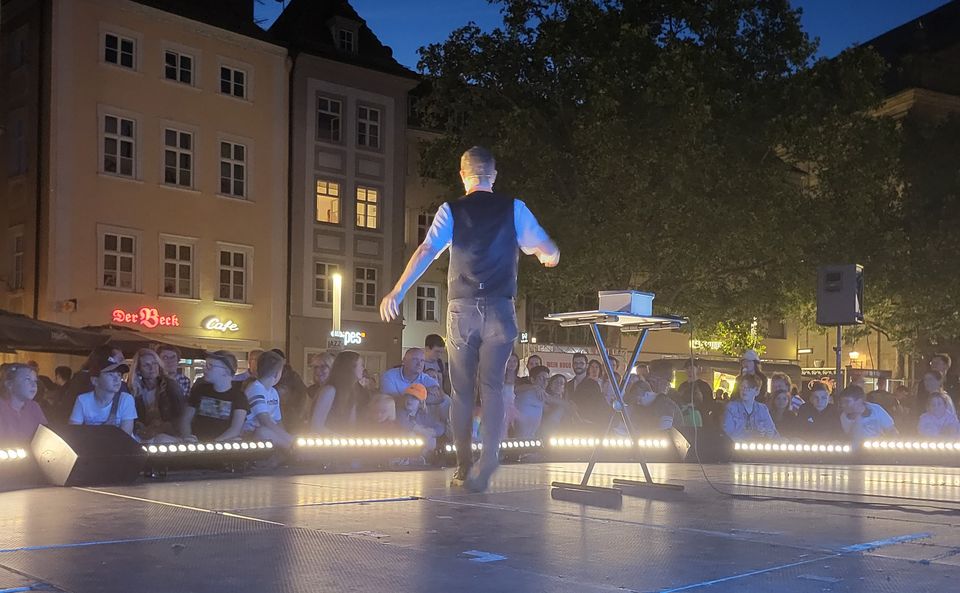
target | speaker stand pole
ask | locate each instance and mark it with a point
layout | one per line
(839, 350)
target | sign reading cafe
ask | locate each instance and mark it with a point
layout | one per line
(216, 324)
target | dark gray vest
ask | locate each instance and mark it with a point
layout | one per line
(484, 253)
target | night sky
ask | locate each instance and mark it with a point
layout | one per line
(408, 24)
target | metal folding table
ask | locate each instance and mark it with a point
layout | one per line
(626, 322)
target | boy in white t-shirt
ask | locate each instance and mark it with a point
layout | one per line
(861, 419)
(107, 403)
(264, 419)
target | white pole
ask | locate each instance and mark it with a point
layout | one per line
(337, 305)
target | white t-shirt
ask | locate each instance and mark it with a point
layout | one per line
(88, 410)
(394, 383)
(873, 425)
(262, 400)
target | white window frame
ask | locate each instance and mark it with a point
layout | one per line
(330, 268)
(121, 35)
(362, 207)
(247, 270)
(347, 40)
(233, 163)
(235, 66)
(422, 296)
(362, 286)
(179, 54)
(318, 189)
(134, 140)
(179, 242)
(368, 127)
(178, 152)
(17, 258)
(424, 222)
(336, 116)
(120, 232)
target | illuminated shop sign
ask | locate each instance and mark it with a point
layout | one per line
(148, 317)
(349, 337)
(214, 323)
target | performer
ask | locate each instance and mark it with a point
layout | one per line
(483, 230)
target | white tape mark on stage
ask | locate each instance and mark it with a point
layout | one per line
(483, 557)
(843, 552)
(180, 506)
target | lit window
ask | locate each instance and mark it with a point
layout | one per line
(367, 208)
(328, 201)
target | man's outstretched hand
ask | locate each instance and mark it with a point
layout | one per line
(390, 305)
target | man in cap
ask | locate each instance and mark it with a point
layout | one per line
(485, 231)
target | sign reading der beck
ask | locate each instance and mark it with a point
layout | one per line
(148, 317)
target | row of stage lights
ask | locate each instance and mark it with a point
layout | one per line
(503, 445)
(359, 442)
(609, 443)
(207, 447)
(12, 454)
(913, 445)
(792, 448)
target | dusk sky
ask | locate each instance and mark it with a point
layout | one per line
(406, 25)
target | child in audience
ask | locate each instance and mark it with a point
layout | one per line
(745, 418)
(265, 419)
(107, 404)
(20, 415)
(940, 419)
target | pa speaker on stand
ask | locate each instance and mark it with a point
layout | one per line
(840, 303)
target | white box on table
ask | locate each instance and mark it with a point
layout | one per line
(633, 302)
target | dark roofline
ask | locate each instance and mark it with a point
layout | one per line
(222, 15)
(932, 31)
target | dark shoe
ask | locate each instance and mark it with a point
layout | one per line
(460, 476)
(479, 478)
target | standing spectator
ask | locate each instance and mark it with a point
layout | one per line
(533, 361)
(251, 371)
(695, 398)
(594, 370)
(530, 401)
(20, 415)
(265, 420)
(750, 365)
(584, 393)
(343, 399)
(930, 383)
(818, 419)
(108, 403)
(651, 412)
(951, 383)
(940, 419)
(217, 407)
(158, 399)
(745, 418)
(860, 419)
(434, 349)
(170, 358)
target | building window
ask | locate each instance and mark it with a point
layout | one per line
(17, 163)
(427, 302)
(345, 40)
(177, 269)
(178, 158)
(424, 222)
(16, 280)
(365, 287)
(233, 275)
(233, 82)
(328, 119)
(119, 257)
(328, 201)
(368, 127)
(323, 282)
(367, 212)
(233, 169)
(119, 145)
(178, 67)
(119, 50)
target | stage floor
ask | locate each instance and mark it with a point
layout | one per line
(812, 529)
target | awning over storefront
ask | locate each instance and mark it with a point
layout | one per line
(19, 332)
(130, 341)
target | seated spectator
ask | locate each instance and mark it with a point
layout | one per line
(860, 419)
(745, 418)
(784, 418)
(158, 399)
(108, 403)
(379, 416)
(265, 420)
(818, 419)
(510, 413)
(217, 407)
(940, 419)
(930, 383)
(695, 398)
(342, 399)
(80, 383)
(50, 401)
(530, 402)
(650, 411)
(557, 410)
(20, 415)
(434, 348)
(293, 397)
(170, 360)
(320, 375)
(533, 361)
(439, 408)
(780, 382)
(415, 420)
(396, 380)
(251, 371)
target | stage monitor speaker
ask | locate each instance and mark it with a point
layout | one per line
(840, 295)
(87, 455)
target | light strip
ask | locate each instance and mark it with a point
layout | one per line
(176, 449)
(503, 445)
(12, 454)
(912, 445)
(340, 443)
(751, 447)
(585, 442)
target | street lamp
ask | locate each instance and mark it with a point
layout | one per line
(337, 301)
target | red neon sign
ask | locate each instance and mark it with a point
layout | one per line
(148, 317)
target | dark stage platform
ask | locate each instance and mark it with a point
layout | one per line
(809, 529)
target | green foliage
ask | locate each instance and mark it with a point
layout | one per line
(736, 338)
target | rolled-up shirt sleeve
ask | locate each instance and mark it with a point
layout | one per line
(440, 234)
(530, 234)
